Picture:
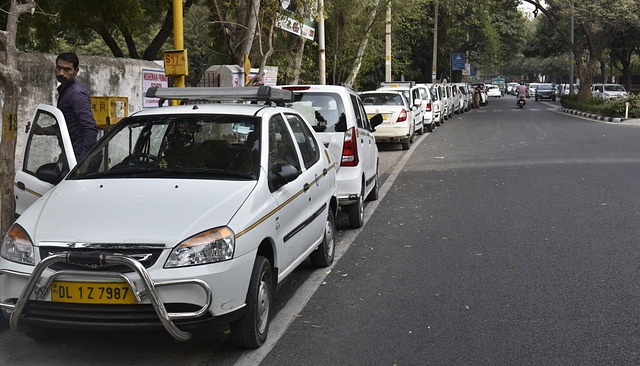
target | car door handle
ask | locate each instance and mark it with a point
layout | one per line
(306, 187)
(21, 185)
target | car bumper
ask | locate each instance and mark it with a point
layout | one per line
(396, 132)
(349, 183)
(164, 298)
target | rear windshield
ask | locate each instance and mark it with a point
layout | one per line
(382, 99)
(324, 111)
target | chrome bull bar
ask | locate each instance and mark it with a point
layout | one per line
(150, 287)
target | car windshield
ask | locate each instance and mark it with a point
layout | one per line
(324, 111)
(434, 94)
(614, 88)
(203, 146)
(545, 87)
(386, 99)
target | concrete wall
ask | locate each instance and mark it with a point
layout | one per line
(102, 76)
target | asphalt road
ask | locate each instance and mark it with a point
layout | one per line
(505, 237)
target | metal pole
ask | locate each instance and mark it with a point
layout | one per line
(572, 60)
(387, 64)
(178, 36)
(434, 65)
(321, 44)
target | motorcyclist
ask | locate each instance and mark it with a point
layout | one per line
(522, 89)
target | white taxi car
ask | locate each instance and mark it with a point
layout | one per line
(397, 115)
(337, 116)
(179, 217)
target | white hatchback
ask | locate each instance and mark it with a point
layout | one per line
(179, 217)
(337, 115)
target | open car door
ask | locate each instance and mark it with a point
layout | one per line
(48, 157)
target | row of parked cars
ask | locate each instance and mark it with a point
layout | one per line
(191, 215)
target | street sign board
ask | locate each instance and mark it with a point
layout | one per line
(458, 61)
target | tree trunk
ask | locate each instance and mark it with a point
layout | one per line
(247, 15)
(351, 78)
(295, 62)
(11, 78)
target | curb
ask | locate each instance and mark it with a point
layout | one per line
(593, 116)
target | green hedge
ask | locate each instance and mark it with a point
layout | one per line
(605, 108)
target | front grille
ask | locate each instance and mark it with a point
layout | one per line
(146, 256)
(107, 317)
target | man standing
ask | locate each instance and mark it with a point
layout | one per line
(75, 104)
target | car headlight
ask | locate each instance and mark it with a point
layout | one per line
(211, 246)
(17, 246)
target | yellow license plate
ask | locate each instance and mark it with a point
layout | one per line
(92, 293)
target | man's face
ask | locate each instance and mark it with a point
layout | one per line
(65, 72)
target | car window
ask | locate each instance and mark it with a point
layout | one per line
(176, 146)
(324, 111)
(359, 109)
(281, 145)
(360, 119)
(304, 138)
(388, 99)
(45, 146)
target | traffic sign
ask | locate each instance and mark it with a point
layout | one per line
(458, 61)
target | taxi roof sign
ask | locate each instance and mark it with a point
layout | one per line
(248, 93)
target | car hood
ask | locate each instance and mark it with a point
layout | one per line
(134, 210)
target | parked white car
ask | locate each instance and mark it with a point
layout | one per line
(609, 91)
(438, 104)
(413, 95)
(337, 115)
(179, 217)
(455, 98)
(397, 116)
(428, 120)
(465, 97)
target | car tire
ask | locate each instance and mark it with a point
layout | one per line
(421, 130)
(406, 144)
(375, 191)
(355, 211)
(431, 126)
(324, 254)
(251, 330)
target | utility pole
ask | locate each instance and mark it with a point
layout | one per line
(322, 66)
(434, 65)
(178, 36)
(387, 63)
(572, 58)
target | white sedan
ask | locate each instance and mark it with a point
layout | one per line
(179, 217)
(494, 91)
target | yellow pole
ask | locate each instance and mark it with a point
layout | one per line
(178, 36)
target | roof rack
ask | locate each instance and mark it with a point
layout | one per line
(398, 83)
(248, 93)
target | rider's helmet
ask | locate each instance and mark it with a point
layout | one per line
(521, 82)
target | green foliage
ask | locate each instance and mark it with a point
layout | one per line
(607, 108)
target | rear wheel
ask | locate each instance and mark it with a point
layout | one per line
(355, 211)
(430, 126)
(251, 330)
(375, 192)
(323, 256)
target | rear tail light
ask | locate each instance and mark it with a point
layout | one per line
(429, 107)
(402, 117)
(350, 148)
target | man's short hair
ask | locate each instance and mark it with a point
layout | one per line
(69, 57)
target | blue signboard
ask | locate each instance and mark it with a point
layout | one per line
(457, 61)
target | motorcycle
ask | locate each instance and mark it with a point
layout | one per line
(521, 101)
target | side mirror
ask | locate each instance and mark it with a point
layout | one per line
(281, 175)
(376, 121)
(49, 173)
(417, 102)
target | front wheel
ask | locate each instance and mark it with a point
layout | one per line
(323, 256)
(251, 330)
(421, 129)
